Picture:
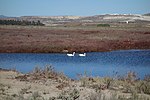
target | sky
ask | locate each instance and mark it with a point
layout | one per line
(72, 7)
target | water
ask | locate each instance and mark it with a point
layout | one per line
(94, 64)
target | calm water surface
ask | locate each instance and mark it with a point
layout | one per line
(94, 64)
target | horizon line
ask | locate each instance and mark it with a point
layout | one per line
(78, 15)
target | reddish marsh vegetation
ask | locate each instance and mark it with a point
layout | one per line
(46, 39)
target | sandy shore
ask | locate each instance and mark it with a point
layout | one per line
(19, 88)
(49, 85)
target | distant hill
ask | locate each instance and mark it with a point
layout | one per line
(107, 18)
(9, 18)
(2, 16)
(148, 14)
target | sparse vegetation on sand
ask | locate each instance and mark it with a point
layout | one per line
(48, 84)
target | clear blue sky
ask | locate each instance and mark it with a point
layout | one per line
(72, 7)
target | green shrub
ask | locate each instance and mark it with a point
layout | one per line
(103, 25)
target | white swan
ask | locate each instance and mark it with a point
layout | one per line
(84, 54)
(71, 54)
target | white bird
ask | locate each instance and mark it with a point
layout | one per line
(84, 54)
(71, 54)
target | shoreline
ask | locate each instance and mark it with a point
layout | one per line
(75, 52)
(48, 84)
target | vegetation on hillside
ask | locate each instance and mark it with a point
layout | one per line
(19, 22)
(103, 25)
(148, 14)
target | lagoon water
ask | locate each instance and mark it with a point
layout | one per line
(94, 64)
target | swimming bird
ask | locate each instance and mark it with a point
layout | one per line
(84, 54)
(71, 54)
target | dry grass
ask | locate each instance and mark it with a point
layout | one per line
(43, 74)
(128, 87)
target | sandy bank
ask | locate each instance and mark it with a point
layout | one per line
(49, 85)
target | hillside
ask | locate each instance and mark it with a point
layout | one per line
(148, 14)
(107, 18)
(2, 16)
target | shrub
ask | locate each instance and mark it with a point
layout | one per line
(84, 81)
(131, 77)
(147, 78)
(52, 98)
(36, 96)
(107, 81)
(74, 94)
(143, 86)
(36, 70)
(103, 25)
(69, 95)
(95, 96)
